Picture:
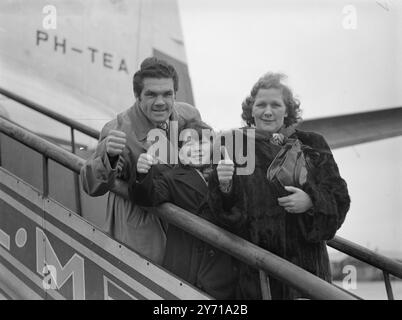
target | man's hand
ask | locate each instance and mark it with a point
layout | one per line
(145, 162)
(297, 202)
(115, 142)
(225, 170)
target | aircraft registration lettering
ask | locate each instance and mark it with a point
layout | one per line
(62, 45)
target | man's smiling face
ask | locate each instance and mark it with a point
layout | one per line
(157, 99)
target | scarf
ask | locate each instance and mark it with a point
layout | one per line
(277, 138)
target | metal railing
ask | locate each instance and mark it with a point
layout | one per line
(65, 158)
(74, 125)
(386, 265)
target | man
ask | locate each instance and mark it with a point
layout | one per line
(121, 142)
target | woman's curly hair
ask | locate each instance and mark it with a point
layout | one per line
(268, 81)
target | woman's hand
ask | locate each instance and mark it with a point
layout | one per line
(297, 202)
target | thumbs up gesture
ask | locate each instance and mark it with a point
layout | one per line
(225, 169)
(145, 162)
(115, 142)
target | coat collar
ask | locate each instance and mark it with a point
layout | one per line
(142, 123)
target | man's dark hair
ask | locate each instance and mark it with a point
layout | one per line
(154, 68)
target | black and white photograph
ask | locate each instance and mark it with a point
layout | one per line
(200, 150)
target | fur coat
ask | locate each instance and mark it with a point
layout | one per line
(251, 210)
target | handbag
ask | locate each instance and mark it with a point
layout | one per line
(289, 167)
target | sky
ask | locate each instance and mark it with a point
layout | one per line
(332, 68)
(340, 57)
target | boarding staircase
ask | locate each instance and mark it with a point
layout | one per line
(51, 248)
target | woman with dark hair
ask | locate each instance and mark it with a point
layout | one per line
(292, 221)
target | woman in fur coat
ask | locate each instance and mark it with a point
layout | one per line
(295, 222)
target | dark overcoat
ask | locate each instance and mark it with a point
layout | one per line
(193, 260)
(251, 210)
